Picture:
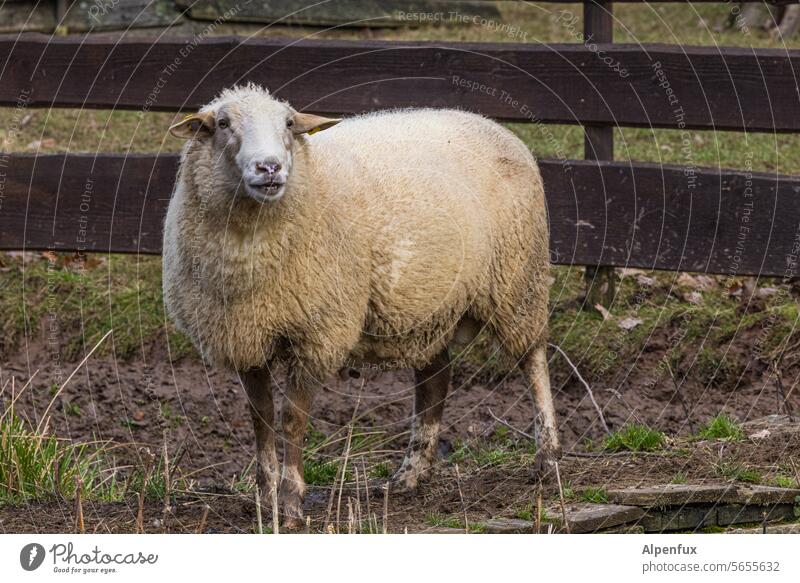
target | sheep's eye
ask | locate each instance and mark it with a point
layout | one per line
(223, 123)
(289, 122)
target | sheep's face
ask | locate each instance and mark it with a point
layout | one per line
(253, 138)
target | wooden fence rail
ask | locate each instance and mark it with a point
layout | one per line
(661, 86)
(607, 213)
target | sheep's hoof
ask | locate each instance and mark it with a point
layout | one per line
(293, 523)
(404, 481)
(293, 518)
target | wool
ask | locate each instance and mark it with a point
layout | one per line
(395, 226)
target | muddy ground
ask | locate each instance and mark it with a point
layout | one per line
(200, 413)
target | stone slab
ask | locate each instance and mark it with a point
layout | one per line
(509, 526)
(679, 518)
(583, 518)
(670, 495)
(761, 495)
(739, 514)
(793, 528)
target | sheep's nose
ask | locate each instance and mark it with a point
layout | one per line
(268, 167)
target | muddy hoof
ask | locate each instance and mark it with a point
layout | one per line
(293, 523)
(403, 482)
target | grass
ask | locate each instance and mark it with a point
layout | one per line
(679, 478)
(36, 465)
(442, 521)
(320, 473)
(635, 437)
(79, 301)
(487, 453)
(595, 495)
(380, 470)
(738, 472)
(722, 427)
(784, 481)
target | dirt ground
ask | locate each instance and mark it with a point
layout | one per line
(200, 413)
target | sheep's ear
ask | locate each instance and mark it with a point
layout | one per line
(307, 123)
(193, 124)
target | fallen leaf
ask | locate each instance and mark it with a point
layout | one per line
(629, 323)
(694, 298)
(699, 281)
(765, 292)
(39, 144)
(761, 434)
(645, 281)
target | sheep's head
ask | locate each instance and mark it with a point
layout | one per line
(253, 137)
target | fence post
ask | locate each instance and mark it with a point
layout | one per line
(598, 27)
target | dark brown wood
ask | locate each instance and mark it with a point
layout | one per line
(598, 26)
(601, 213)
(716, 88)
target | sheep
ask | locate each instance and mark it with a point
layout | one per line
(384, 238)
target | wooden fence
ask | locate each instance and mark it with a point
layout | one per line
(601, 212)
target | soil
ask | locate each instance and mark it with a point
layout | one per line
(200, 412)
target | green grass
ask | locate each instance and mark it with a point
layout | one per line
(380, 470)
(595, 495)
(486, 453)
(34, 466)
(679, 478)
(320, 473)
(635, 438)
(722, 427)
(442, 521)
(738, 472)
(80, 302)
(783, 481)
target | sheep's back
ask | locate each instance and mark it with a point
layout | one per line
(442, 199)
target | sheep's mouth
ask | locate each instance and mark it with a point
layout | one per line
(267, 191)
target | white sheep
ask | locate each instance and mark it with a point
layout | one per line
(379, 239)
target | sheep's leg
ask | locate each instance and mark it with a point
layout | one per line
(546, 433)
(258, 386)
(433, 382)
(296, 406)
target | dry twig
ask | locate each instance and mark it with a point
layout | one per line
(202, 526)
(586, 385)
(79, 526)
(561, 499)
(511, 427)
(463, 504)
